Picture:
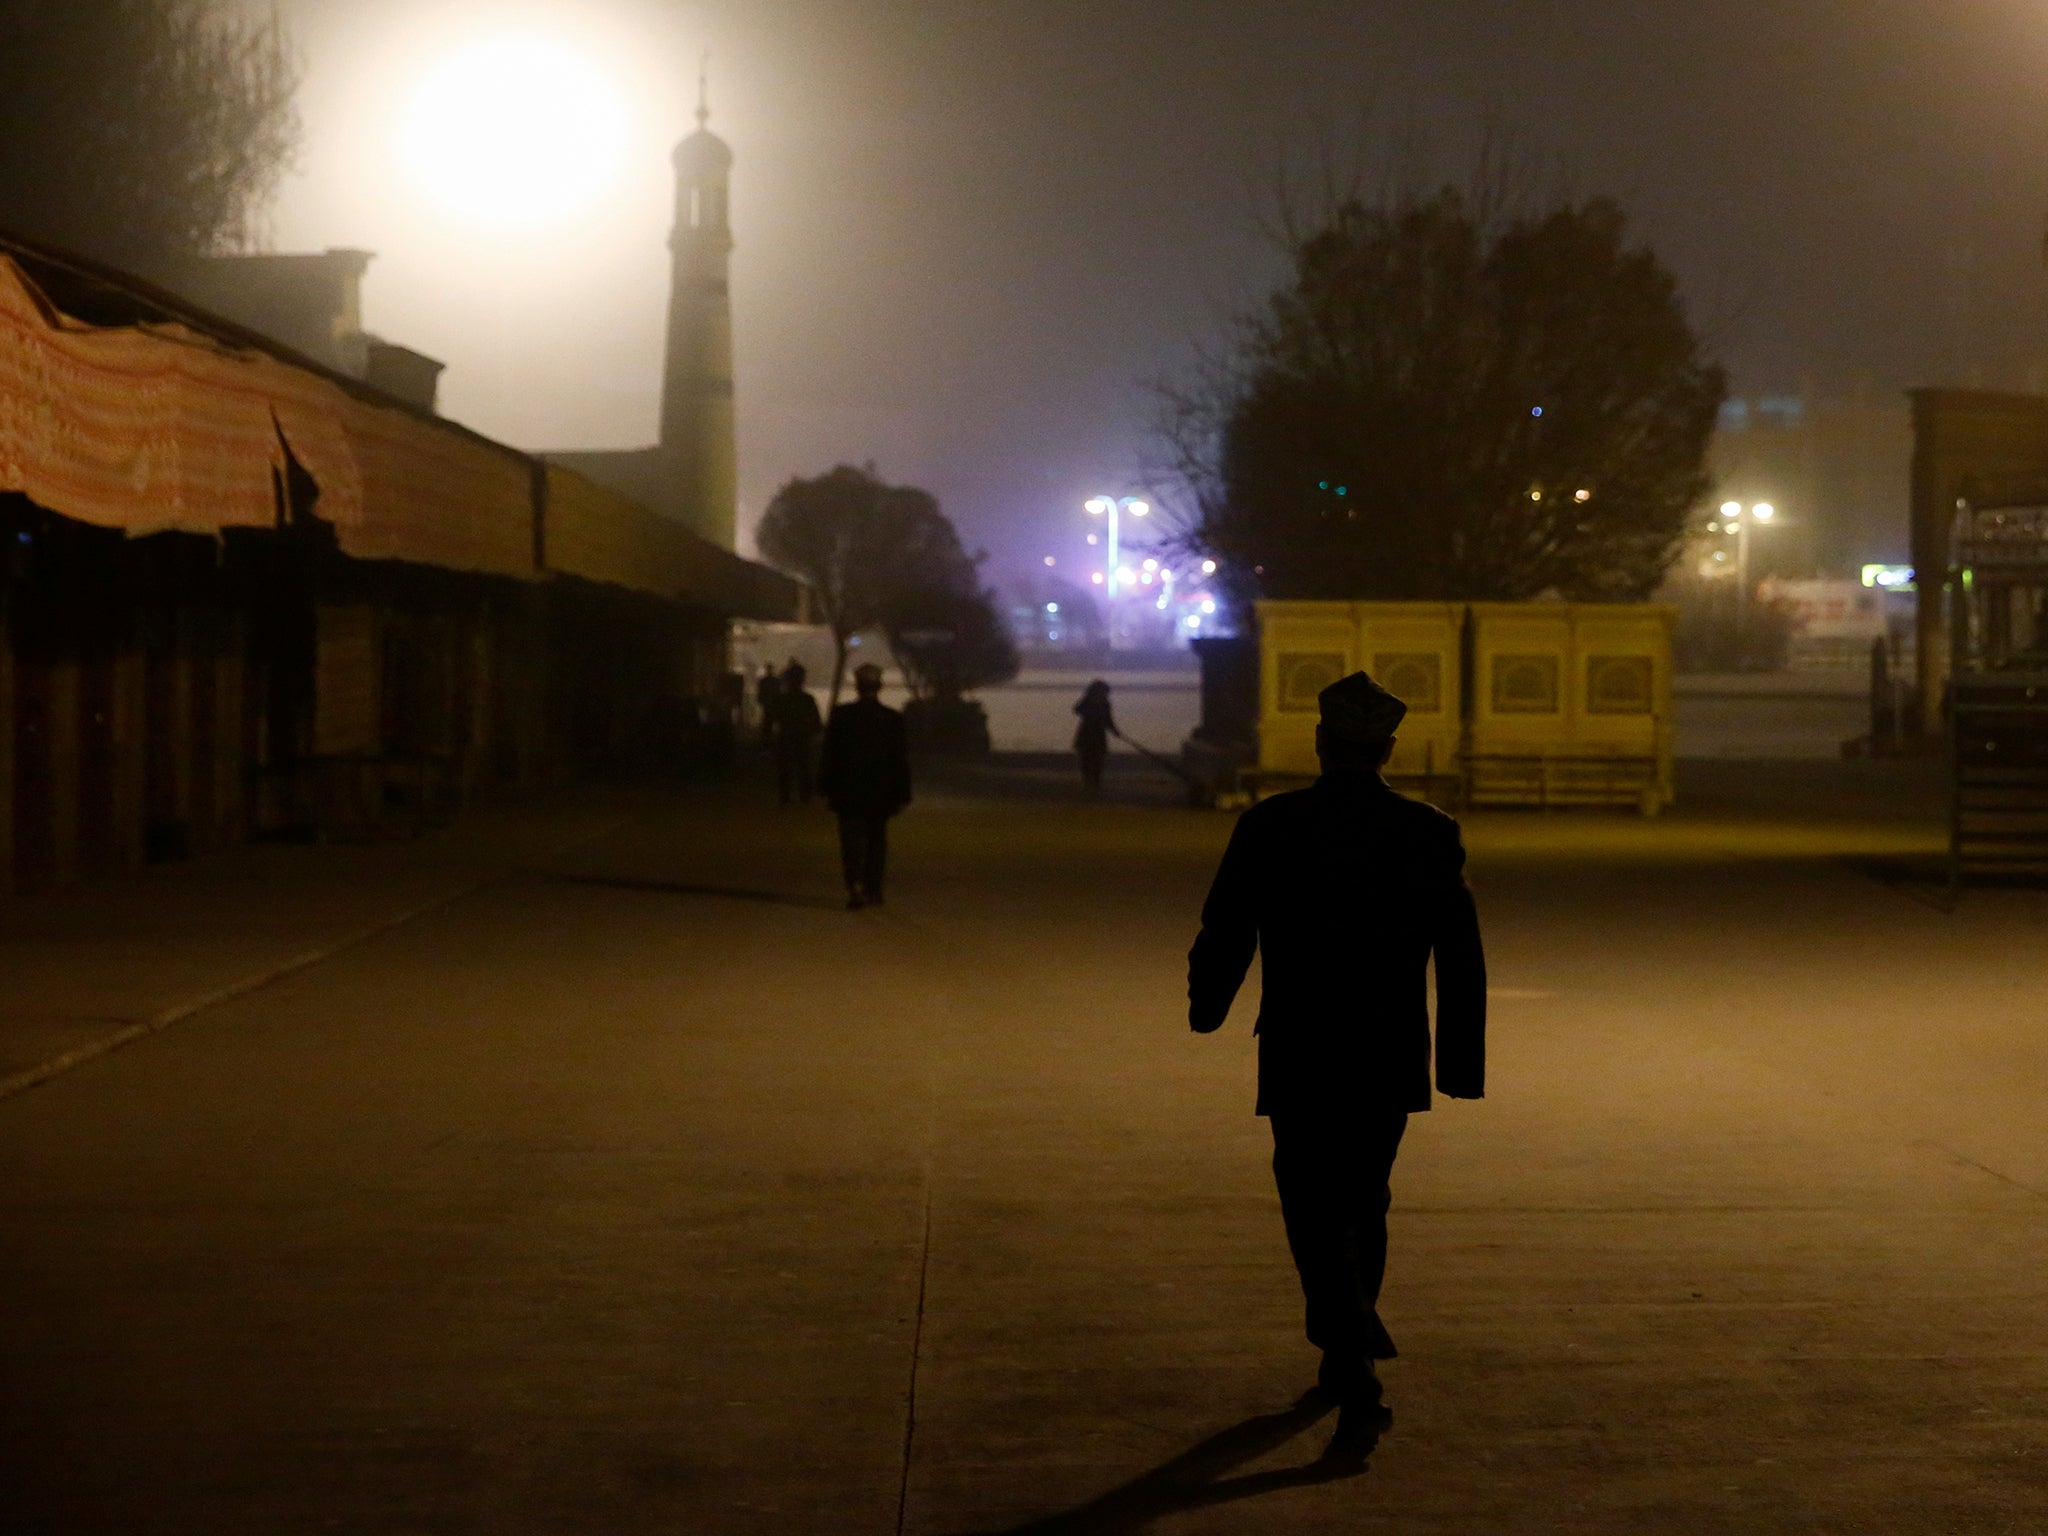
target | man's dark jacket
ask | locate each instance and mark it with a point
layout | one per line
(864, 767)
(796, 717)
(1347, 888)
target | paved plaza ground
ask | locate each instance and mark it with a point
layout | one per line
(586, 1168)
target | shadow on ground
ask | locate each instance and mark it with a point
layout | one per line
(1923, 879)
(1195, 1479)
(693, 888)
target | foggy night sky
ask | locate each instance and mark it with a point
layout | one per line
(969, 231)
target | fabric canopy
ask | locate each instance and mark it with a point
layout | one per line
(161, 427)
(157, 428)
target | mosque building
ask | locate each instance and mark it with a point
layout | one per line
(692, 472)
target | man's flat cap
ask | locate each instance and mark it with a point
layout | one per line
(1356, 708)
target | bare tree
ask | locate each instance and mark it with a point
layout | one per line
(138, 129)
(1452, 396)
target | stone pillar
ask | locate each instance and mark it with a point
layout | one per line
(478, 683)
(64, 770)
(170, 745)
(232, 759)
(126, 728)
(6, 756)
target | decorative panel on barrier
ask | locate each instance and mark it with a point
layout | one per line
(1411, 650)
(1573, 705)
(1304, 648)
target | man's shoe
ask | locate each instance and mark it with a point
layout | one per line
(1347, 1380)
(1358, 1434)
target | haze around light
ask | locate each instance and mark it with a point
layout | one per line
(513, 131)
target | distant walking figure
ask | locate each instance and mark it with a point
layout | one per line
(1347, 888)
(768, 699)
(1091, 736)
(864, 773)
(796, 736)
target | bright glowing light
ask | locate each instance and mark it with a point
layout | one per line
(1208, 567)
(1731, 510)
(1126, 575)
(1148, 578)
(1094, 538)
(1097, 505)
(1194, 621)
(1713, 527)
(1720, 554)
(1151, 565)
(514, 132)
(1048, 559)
(1582, 495)
(1763, 511)
(1208, 607)
(1052, 607)
(1161, 604)
(1535, 495)
(1096, 577)
(1140, 508)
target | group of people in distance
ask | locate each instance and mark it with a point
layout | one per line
(861, 767)
(860, 761)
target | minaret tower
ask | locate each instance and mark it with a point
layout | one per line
(696, 395)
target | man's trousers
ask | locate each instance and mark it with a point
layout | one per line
(1332, 1171)
(794, 769)
(864, 852)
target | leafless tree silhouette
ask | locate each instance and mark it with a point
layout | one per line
(138, 129)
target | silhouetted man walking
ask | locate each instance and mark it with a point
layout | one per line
(1347, 888)
(768, 697)
(796, 736)
(864, 773)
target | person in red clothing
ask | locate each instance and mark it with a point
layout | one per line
(1347, 889)
(864, 774)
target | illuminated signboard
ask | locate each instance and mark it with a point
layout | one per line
(1889, 578)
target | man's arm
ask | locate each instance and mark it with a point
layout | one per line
(1460, 984)
(1229, 938)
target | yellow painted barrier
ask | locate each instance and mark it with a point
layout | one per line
(1508, 703)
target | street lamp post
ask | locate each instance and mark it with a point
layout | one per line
(1733, 518)
(1110, 508)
